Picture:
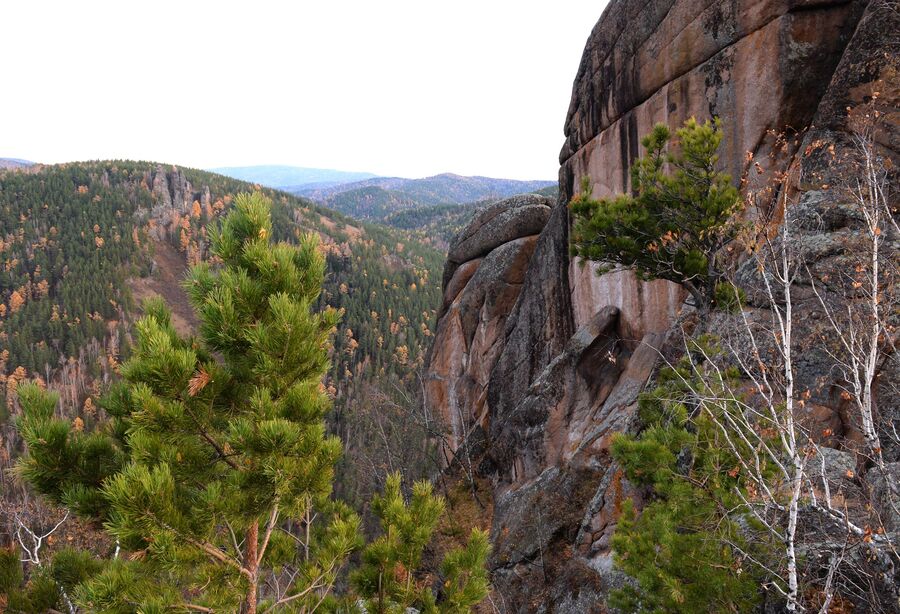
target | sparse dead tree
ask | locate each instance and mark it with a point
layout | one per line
(32, 541)
(33, 531)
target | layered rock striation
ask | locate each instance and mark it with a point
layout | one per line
(537, 361)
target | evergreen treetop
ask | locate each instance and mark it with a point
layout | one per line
(221, 439)
(389, 578)
(677, 221)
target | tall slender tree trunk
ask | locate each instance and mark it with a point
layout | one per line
(250, 564)
(789, 438)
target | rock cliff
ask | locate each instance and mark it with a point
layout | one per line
(537, 361)
(483, 277)
(173, 196)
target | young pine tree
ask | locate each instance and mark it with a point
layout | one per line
(688, 548)
(389, 578)
(215, 472)
(677, 222)
(38, 595)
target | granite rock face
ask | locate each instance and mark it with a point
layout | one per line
(542, 358)
(482, 280)
(759, 65)
(496, 224)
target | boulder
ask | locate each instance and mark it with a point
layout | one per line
(458, 281)
(496, 224)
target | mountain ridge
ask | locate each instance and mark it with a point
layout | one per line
(279, 176)
(453, 188)
(14, 163)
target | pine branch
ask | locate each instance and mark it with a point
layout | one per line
(212, 442)
(218, 449)
(208, 548)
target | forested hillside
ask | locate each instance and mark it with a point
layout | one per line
(373, 202)
(83, 243)
(203, 433)
(72, 235)
(438, 223)
(434, 208)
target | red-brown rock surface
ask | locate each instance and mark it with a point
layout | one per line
(542, 359)
(484, 273)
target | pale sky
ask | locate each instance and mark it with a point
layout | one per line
(393, 87)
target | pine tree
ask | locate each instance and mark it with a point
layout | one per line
(39, 594)
(217, 462)
(47, 587)
(687, 548)
(390, 580)
(678, 221)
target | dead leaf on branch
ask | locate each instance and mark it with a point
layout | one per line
(198, 382)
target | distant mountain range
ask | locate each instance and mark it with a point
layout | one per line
(14, 163)
(290, 177)
(437, 205)
(440, 223)
(443, 189)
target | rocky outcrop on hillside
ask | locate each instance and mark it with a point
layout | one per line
(173, 197)
(541, 361)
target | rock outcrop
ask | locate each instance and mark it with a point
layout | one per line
(173, 197)
(482, 281)
(539, 359)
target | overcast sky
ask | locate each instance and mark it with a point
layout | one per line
(394, 88)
